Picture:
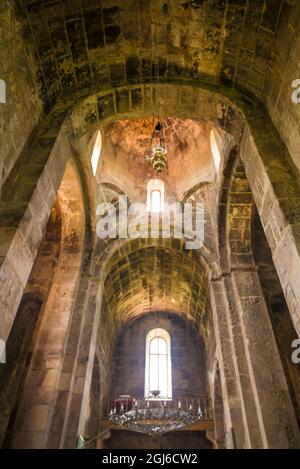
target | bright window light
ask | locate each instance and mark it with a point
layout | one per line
(96, 152)
(215, 149)
(155, 201)
(158, 373)
(155, 196)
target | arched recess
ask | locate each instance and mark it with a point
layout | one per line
(188, 370)
(177, 283)
(33, 421)
(119, 273)
(231, 117)
(243, 118)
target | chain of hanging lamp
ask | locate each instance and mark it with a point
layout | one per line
(158, 157)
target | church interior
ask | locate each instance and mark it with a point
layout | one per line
(113, 337)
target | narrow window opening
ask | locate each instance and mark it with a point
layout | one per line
(215, 149)
(158, 373)
(155, 196)
(96, 152)
(155, 201)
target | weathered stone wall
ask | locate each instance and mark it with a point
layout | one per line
(187, 354)
(283, 71)
(283, 328)
(23, 108)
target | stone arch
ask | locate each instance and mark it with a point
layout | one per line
(229, 111)
(242, 118)
(33, 419)
(223, 208)
(246, 181)
(230, 120)
(134, 254)
(104, 265)
(206, 193)
(109, 193)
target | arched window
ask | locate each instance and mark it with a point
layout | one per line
(96, 152)
(158, 373)
(215, 149)
(155, 196)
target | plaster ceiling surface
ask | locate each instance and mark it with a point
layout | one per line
(127, 142)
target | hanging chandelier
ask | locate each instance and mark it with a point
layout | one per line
(158, 157)
(154, 416)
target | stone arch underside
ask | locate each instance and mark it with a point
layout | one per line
(240, 117)
(82, 43)
(39, 394)
(147, 276)
(247, 123)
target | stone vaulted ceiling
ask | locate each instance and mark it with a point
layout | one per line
(84, 43)
(152, 276)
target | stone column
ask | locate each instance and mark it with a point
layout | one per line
(43, 379)
(236, 333)
(72, 405)
(279, 214)
(274, 409)
(234, 412)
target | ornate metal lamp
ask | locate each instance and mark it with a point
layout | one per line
(154, 416)
(159, 154)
